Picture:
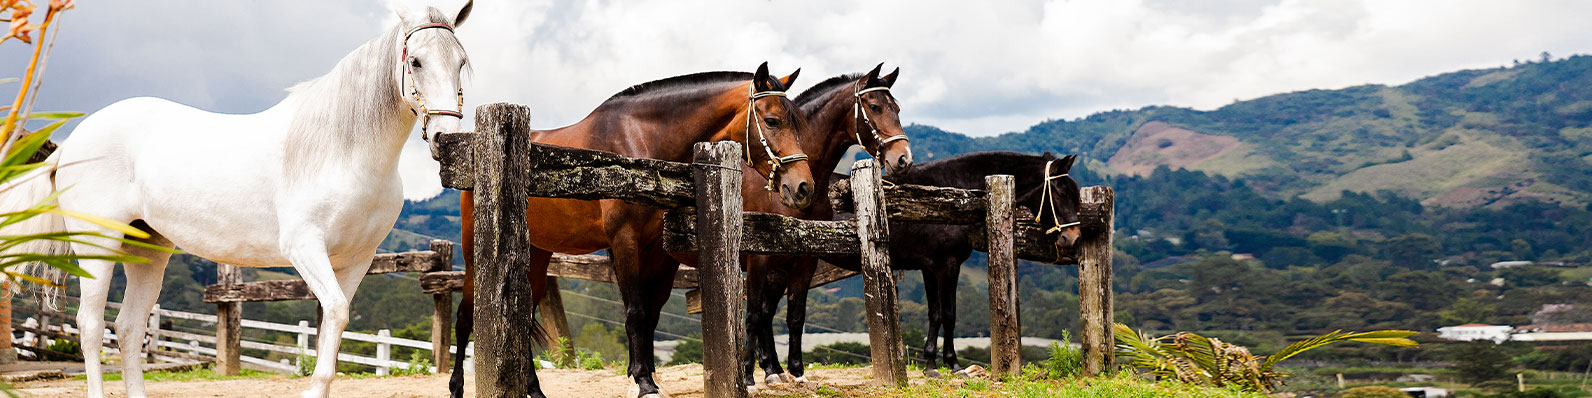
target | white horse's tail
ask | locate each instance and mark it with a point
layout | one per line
(20, 194)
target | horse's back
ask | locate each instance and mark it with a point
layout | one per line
(184, 171)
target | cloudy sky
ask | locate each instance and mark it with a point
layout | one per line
(976, 67)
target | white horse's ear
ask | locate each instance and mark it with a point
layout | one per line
(463, 13)
(401, 8)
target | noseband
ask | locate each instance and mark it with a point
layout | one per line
(409, 81)
(1046, 198)
(774, 160)
(859, 116)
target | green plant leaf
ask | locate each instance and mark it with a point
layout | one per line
(54, 115)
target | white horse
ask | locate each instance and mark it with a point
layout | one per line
(311, 182)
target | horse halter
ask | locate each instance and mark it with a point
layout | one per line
(857, 115)
(409, 81)
(774, 160)
(1046, 198)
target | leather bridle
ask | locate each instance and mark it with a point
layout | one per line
(774, 160)
(858, 116)
(409, 81)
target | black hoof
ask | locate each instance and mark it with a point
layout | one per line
(931, 373)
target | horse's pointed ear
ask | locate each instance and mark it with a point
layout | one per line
(760, 78)
(1047, 156)
(463, 13)
(1066, 162)
(890, 79)
(788, 80)
(872, 78)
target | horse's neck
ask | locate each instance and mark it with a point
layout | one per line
(719, 119)
(831, 136)
(352, 117)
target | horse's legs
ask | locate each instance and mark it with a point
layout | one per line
(947, 273)
(465, 323)
(762, 293)
(645, 275)
(143, 290)
(91, 318)
(931, 293)
(801, 275)
(538, 259)
(335, 290)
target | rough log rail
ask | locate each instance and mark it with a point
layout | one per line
(764, 233)
(575, 173)
(589, 267)
(295, 289)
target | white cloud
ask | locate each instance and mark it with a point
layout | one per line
(975, 67)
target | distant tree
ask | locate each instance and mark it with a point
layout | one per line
(1480, 361)
(1522, 249)
(1546, 57)
(1412, 250)
(689, 351)
(1466, 311)
(1529, 276)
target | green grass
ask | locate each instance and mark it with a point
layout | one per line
(201, 374)
(1123, 386)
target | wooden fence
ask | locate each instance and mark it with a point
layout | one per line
(173, 345)
(503, 167)
(229, 293)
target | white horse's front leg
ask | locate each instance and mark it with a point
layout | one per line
(335, 290)
(91, 320)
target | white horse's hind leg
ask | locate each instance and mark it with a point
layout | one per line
(143, 290)
(91, 319)
(334, 290)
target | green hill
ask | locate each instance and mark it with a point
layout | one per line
(1485, 137)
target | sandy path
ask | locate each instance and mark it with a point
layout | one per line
(683, 381)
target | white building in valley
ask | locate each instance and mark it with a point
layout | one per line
(1476, 331)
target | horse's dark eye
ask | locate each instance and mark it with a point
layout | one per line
(875, 107)
(772, 122)
(414, 63)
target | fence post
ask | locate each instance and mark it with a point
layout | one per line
(193, 347)
(879, 288)
(556, 323)
(1094, 285)
(8, 353)
(303, 344)
(229, 324)
(718, 192)
(383, 351)
(441, 309)
(152, 333)
(503, 304)
(1005, 330)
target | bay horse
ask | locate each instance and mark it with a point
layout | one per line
(845, 110)
(940, 249)
(657, 120)
(311, 182)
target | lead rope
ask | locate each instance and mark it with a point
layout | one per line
(1046, 198)
(774, 160)
(409, 81)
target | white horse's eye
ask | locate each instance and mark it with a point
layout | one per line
(414, 63)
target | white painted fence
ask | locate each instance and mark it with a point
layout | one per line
(190, 343)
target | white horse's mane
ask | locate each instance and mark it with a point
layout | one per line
(349, 107)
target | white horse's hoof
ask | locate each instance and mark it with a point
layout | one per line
(751, 389)
(800, 379)
(774, 379)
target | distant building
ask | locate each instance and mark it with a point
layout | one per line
(1564, 332)
(1476, 331)
(1508, 264)
(1425, 392)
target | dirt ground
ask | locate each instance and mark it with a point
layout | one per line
(684, 381)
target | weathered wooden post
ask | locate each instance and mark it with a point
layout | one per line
(718, 192)
(503, 301)
(1005, 331)
(229, 324)
(152, 333)
(556, 324)
(441, 308)
(8, 354)
(884, 319)
(1094, 282)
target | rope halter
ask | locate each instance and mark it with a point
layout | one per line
(859, 116)
(409, 81)
(1046, 198)
(774, 160)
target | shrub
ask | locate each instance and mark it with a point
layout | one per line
(1065, 361)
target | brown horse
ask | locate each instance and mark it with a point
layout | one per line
(656, 120)
(846, 110)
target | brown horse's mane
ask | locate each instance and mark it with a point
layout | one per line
(812, 96)
(680, 83)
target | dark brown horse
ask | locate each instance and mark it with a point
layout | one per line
(656, 120)
(938, 249)
(846, 110)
